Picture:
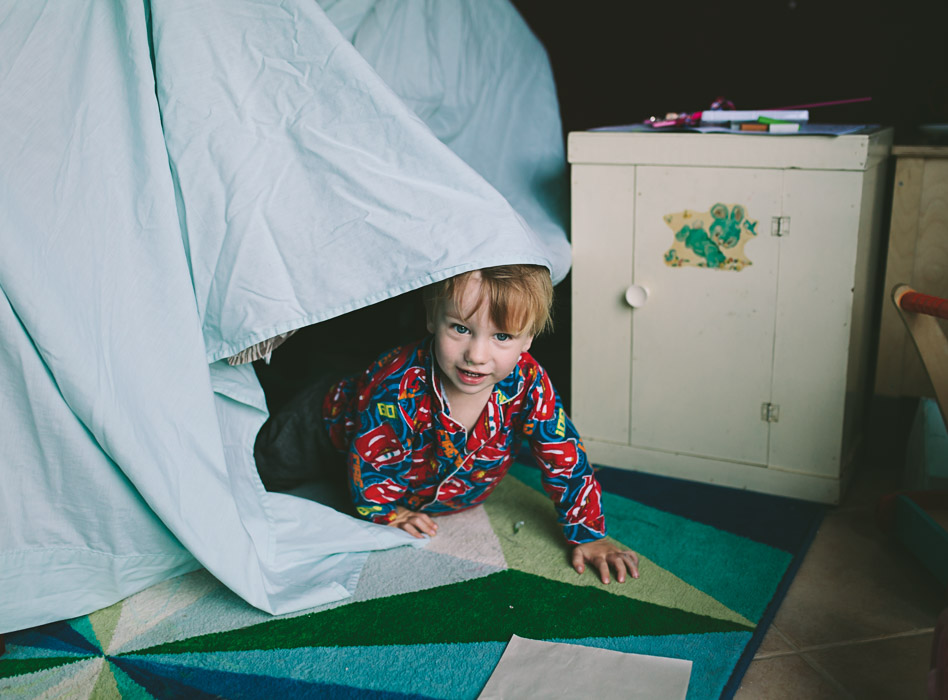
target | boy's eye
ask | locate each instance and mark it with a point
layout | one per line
(503, 336)
(458, 328)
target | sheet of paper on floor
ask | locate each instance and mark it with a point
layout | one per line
(537, 669)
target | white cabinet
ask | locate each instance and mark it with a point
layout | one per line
(751, 263)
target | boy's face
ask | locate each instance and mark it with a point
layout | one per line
(472, 353)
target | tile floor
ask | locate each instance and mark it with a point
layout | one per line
(859, 617)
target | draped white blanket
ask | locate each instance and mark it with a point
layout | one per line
(179, 181)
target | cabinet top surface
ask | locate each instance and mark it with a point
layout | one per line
(848, 152)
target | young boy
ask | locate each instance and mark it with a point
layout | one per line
(432, 427)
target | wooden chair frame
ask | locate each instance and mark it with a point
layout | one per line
(920, 313)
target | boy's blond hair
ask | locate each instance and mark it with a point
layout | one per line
(519, 297)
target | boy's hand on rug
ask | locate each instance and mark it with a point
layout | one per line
(415, 524)
(601, 555)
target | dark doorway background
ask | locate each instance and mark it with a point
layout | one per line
(618, 62)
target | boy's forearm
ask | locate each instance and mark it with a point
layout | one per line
(569, 479)
(584, 522)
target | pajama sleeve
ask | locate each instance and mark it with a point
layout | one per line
(566, 473)
(377, 458)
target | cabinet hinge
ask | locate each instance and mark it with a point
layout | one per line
(770, 412)
(780, 226)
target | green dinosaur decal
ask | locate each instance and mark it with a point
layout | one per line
(713, 239)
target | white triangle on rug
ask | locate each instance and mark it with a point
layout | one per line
(468, 535)
(79, 684)
(29, 686)
(407, 570)
(218, 611)
(151, 606)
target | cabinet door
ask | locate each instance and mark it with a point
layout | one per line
(818, 262)
(603, 211)
(702, 345)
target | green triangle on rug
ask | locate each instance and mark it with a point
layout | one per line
(492, 608)
(525, 522)
(386, 573)
(17, 667)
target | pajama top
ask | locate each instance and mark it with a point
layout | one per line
(404, 448)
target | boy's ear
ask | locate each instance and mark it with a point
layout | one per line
(528, 343)
(429, 323)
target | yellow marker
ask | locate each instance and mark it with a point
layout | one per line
(387, 410)
(561, 424)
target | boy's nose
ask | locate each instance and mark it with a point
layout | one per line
(476, 353)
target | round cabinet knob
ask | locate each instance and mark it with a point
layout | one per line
(636, 296)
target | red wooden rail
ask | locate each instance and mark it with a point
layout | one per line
(919, 303)
(920, 312)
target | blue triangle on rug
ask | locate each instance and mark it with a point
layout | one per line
(173, 681)
(445, 670)
(785, 523)
(452, 669)
(57, 636)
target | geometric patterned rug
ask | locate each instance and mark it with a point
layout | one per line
(433, 622)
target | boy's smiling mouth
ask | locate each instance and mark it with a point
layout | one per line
(469, 376)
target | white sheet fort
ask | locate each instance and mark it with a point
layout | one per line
(182, 180)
